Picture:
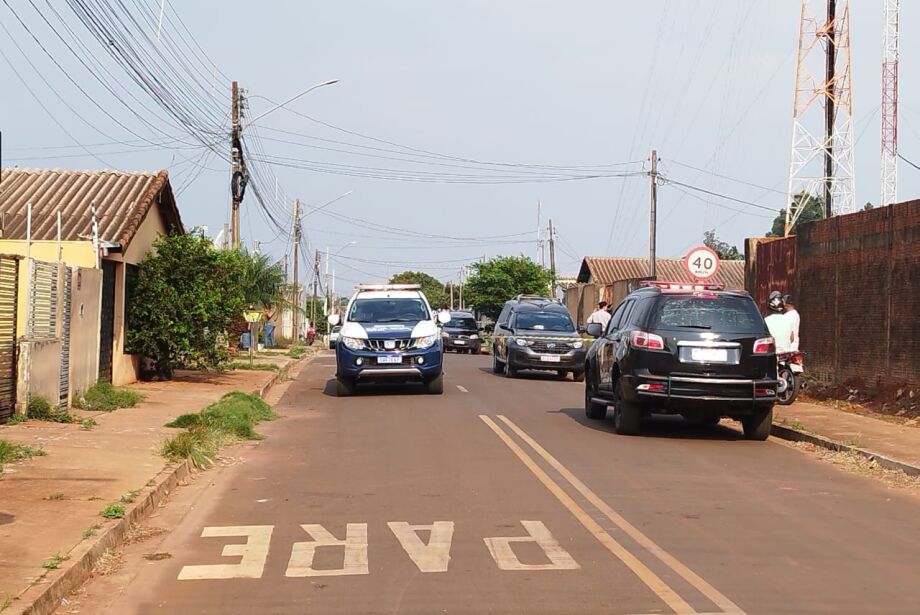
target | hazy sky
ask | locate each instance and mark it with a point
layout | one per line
(706, 82)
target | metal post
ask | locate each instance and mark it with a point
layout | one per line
(296, 236)
(552, 256)
(653, 217)
(830, 71)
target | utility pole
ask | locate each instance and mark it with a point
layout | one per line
(552, 254)
(653, 217)
(315, 281)
(237, 168)
(541, 253)
(326, 282)
(830, 77)
(296, 292)
(890, 62)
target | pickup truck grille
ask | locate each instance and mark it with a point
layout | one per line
(377, 345)
(549, 347)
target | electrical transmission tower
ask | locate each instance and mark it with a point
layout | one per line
(822, 163)
(890, 105)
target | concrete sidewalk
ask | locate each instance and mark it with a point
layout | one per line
(47, 502)
(896, 442)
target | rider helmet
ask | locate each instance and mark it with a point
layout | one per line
(776, 302)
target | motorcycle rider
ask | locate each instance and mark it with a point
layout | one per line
(793, 315)
(779, 324)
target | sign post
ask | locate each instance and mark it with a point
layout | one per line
(702, 263)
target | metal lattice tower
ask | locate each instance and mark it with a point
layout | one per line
(890, 105)
(822, 161)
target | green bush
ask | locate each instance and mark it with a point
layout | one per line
(199, 444)
(40, 410)
(103, 396)
(113, 511)
(296, 352)
(10, 452)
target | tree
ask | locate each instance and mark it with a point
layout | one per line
(184, 299)
(812, 210)
(501, 278)
(262, 281)
(726, 251)
(431, 286)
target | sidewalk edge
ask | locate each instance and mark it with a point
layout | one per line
(44, 596)
(795, 435)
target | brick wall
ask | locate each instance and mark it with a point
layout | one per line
(856, 280)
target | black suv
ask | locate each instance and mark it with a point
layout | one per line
(683, 349)
(461, 333)
(537, 333)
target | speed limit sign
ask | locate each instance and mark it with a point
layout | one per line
(702, 263)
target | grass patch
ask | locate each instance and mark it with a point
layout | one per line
(91, 531)
(233, 416)
(129, 497)
(40, 410)
(113, 511)
(57, 496)
(855, 441)
(10, 453)
(94, 498)
(261, 367)
(296, 352)
(88, 424)
(55, 562)
(103, 396)
(16, 419)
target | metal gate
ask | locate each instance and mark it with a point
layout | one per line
(66, 302)
(9, 287)
(107, 327)
(43, 297)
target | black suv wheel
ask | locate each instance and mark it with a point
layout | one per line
(758, 426)
(498, 367)
(593, 410)
(627, 416)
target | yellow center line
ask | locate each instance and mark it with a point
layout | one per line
(669, 560)
(652, 580)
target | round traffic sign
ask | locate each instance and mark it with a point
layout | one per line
(702, 263)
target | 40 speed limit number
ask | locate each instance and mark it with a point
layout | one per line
(702, 263)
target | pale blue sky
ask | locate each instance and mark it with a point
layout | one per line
(706, 82)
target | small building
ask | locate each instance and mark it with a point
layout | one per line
(611, 278)
(108, 223)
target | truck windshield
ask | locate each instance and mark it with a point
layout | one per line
(544, 321)
(716, 312)
(388, 310)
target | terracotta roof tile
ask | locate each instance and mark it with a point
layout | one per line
(609, 269)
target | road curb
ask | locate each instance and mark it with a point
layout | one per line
(796, 435)
(44, 596)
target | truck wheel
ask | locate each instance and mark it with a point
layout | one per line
(578, 375)
(510, 371)
(497, 366)
(344, 387)
(758, 426)
(593, 410)
(435, 386)
(627, 416)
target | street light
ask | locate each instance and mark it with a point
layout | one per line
(289, 100)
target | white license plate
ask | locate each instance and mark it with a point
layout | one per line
(460, 342)
(549, 358)
(709, 355)
(389, 359)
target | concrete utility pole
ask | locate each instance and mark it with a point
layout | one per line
(653, 217)
(238, 174)
(315, 282)
(830, 77)
(296, 292)
(552, 254)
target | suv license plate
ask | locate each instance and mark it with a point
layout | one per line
(549, 358)
(460, 342)
(709, 355)
(389, 359)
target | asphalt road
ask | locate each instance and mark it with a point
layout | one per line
(500, 497)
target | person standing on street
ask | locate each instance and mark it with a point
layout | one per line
(600, 316)
(795, 319)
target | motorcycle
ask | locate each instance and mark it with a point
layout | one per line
(790, 370)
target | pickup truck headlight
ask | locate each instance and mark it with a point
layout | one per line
(578, 345)
(521, 342)
(352, 343)
(473, 336)
(427, 341)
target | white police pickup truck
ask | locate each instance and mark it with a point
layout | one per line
(389, 334)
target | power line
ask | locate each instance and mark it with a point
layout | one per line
(901, 156)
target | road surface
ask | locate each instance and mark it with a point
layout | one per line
(500, 497)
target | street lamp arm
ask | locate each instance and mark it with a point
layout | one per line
(289, 101)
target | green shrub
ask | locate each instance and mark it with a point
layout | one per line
(40, 410)
(198, 444)
(10, 452)
(103, 396)
(296, 352)
(113, 511)
(184, 421)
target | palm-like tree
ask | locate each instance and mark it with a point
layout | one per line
(263, 281)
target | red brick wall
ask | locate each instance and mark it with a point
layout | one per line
(856, 281)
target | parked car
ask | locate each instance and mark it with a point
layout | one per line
(389, 334)
(334, 337)
(535, 332)
(462, 333)
(693, 350)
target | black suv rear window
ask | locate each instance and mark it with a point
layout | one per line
(716, 312)
(544, 321)
(461, 322)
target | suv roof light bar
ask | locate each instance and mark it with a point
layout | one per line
(681, 285)
(388, 287)
(523, 297)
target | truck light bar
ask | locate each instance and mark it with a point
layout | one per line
(388, 287)
(681, 285)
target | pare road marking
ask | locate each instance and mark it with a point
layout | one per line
(647, 543)
(429, 557)
(462, 389)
